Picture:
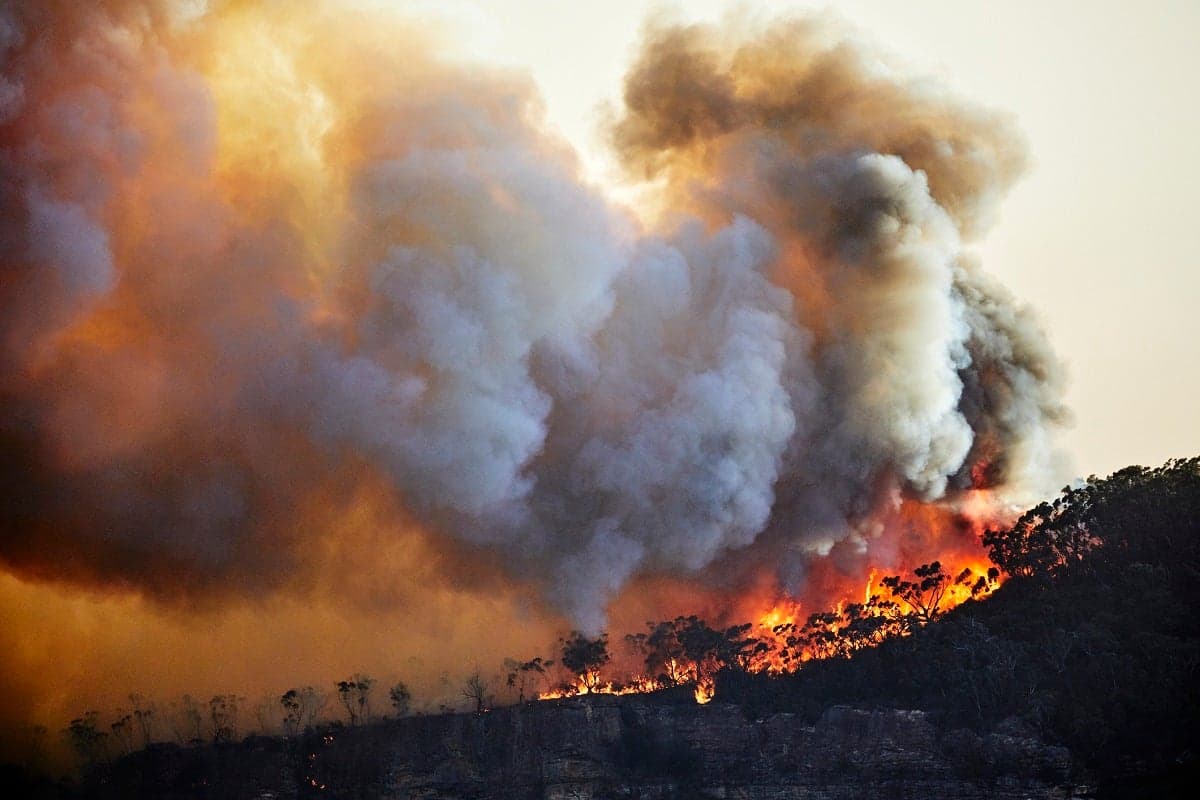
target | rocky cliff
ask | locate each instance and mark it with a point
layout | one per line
(593, 748)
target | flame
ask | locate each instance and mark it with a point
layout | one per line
(794, 630)
(637, 685)
(778, 615)
(704, 689)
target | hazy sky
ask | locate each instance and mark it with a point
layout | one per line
(1099, 237)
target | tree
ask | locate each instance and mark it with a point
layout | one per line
(290, 700)
(687, 649)
(187, 721)
(923, 596)
(400, 697)
(312, 700)
(122, 732)
(143, 716)
(355, 694)
(584, 657)
(520, 673)
(300, 708)
(1046, 540)
(818, 637)
(869, 624)
(475, 689)
(86, 739)
(223, 717)
(710, 650)
(264, 714)
(1138, 514)
(661, 652)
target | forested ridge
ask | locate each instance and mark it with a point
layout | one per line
(1090, 643)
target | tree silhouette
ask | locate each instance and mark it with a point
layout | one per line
(291, 711)
(520, 673)
(223, 717)
(122, 732)
(355, 695)
(400, 697)
(662, 652)
(923, 597)
(187, 720)
(143, 716)
(300, 708)
(584, 657)
(86, 739)
(1144, 513)
(475, 690)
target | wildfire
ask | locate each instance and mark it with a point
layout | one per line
(331, 300)
(783, 638)
(637, 685)
(965, 581)
(870, 583)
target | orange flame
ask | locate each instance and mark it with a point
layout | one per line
(795, 629)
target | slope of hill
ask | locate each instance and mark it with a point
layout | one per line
(1080, 671)
(1093, 643)
(610, 747)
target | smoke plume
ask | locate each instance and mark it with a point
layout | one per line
(265, 267)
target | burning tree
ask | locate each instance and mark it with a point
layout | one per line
(924, 596)
(661, 651)
(869, 624)
(584, 657)
(847, 628)
(687, 649)
(838, 633)
(1050, 538)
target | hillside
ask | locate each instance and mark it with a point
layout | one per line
(1075, 678)
(608, 747)
(1093, 642)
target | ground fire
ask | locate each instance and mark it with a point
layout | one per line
(785, 634)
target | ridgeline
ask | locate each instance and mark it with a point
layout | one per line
(1078, 677)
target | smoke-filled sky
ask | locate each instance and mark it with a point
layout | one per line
(342, 337)
(1096, 235)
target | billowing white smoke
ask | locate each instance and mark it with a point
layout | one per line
(412, 277)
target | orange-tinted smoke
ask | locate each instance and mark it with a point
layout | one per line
(297, 313)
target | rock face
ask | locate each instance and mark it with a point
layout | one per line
(598, 748)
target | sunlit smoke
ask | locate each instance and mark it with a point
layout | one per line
(266, 267)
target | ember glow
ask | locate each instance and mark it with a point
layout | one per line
(301, 310)
(785, 635)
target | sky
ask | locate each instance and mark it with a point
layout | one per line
(1098, 237)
